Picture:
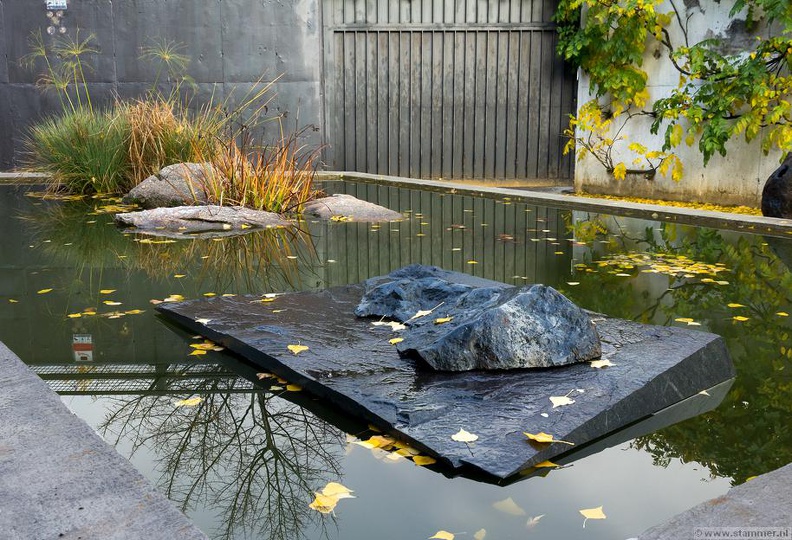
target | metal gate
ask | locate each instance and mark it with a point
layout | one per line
(446, 88)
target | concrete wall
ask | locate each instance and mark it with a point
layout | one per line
(737, 178)
(231, 43)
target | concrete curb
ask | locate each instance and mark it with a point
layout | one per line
(688, 216)
(763, 502)
(59, 479)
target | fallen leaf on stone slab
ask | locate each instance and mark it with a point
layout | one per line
(543, 437)
(395, 340)
(704, 393)
(189, 402)
(297, 349)
(599, 364)
(592, 513)
(508, 506)
(545, 464)
(560, 401)
(442, 535)
(395, 326)
(203, 321)
(464, 436)
(423, 460)
(443, 320)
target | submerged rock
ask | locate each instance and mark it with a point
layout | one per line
(777, 192)
(175, 185)
(349, 208)
(461, 327)
(191, 220)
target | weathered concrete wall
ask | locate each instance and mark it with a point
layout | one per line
(231, 44)
(737, 178)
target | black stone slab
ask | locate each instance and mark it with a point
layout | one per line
(351, 363)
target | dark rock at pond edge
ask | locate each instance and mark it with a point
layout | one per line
(350, 365)
(349, 208)
(777, 192)
(175, 185)
(481, 327)
(195, 221)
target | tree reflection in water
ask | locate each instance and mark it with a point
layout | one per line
(248, 455)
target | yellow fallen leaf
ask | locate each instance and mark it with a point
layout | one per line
(262, 376)
(189, 402)
(197, 352)
(684, 320)
(599, 364)
(443, 320)
(422, 460)
(339, 491)
(297, 349)
(293, 387)
(472, 262)
(209, 294)
(323, 503)
(395, 340)
(395, 326)
(111, 303)
(782, 314)
(74, 315)
(480, 534)
(179, 276)
(11, 300)
(543, 437)
(106, 291)
(592, 513)
(532, 521)
(546, 464)
(559, 401)
(734, 305)
(44, 291)
(464, 436)
(442, 535)
(203, 321)
(508, 506)
(134, 312)
(740, 318)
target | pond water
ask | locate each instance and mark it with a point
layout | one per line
(76, 305)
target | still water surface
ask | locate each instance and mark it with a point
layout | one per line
(245, 462)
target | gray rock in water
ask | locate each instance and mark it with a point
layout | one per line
(175, 185)
(488, 328)
(191, 220)
(349, 207)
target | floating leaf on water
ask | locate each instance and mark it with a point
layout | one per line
(13, 301)
(197, 352)
(543, 437)
(297, 349)
(111, 303)
(262, 376)
(464, 436)
(44, 291)
(423, 460)
(442, 535)
(734, 305)
(107, 291)
(134, 311)
(395, 340)
(74, 315)
(546, 464)
(684, 320)
(323, 503)
(481, 533)
(293, 387)
(276, 388)
(209, 294)
(334, 489)
(472, 262)
(560, 401)
(174, 298)
(740, 318)
(592, 513)
(443, 320)
(532, 521)
(599, 364)
(573, 283)
(508, 506)
(782, 314)
(189, 402)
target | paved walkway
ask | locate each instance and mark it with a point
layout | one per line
(60, 480)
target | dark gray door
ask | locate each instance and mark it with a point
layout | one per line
(446, 88)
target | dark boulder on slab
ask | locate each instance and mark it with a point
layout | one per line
(350, 364)
(777, 192)
(457, 327)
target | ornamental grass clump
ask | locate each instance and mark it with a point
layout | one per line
(276, 178)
